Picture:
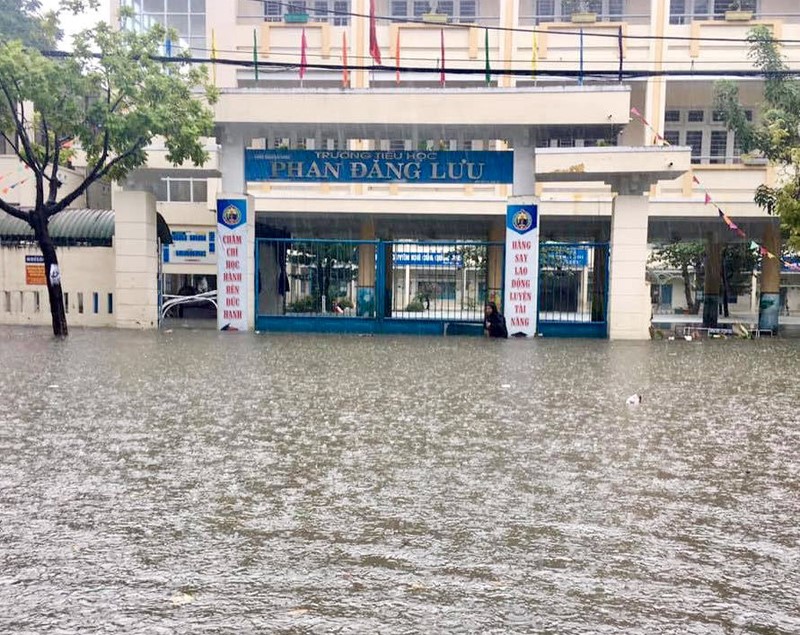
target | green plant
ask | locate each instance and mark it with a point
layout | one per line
(307, 304)
(415, 306)
(345, 303)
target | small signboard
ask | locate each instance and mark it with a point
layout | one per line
(521, 301)
(196, 247)
(34, 271)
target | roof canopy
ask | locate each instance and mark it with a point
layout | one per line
(74, 227)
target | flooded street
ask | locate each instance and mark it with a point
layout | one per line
(198, 482)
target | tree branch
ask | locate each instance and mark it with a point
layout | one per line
(13, 211)
(96, 174)
(20, 128)
(54, 182)
(46, 133)
(23, 133)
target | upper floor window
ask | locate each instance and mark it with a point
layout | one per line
(684, 11)
(705, 132)
(334, 12)
(187, 17)
(182, 190)
(456, 10)
(558, 10)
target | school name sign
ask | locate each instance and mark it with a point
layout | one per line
(374, 166)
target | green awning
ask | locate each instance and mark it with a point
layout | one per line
(83, 226)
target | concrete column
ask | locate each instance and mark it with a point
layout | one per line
(495, 263)
(711, 282)
(524, 168)
(231, 161)
(629, 301)
(769, 308)
(234, 186)
(136, 255)
(365, 300)
(656, 91)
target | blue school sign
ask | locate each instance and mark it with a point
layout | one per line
(376, 166)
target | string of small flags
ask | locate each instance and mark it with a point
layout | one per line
(763, 251)
(20, 170)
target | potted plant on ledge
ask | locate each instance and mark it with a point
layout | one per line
(736, 13)
(295, 14)
(579, 11)
(434, 16)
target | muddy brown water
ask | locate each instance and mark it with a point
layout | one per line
(196, 482)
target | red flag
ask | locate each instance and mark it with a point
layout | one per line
(345, 70)
(374, 49)
(397, 57)
(741, 234)
(303, 59)
(441, 75)
(635, 112)
(708, 198)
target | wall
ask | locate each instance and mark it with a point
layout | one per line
(85, 270)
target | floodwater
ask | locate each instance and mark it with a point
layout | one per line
(197, 482)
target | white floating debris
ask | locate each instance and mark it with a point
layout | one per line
(634, 400)
(505, 385)
(179, 599)
(688, 338)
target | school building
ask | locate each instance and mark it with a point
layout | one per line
(386, 200)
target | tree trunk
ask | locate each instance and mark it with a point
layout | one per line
(687, 289)
(52, 274)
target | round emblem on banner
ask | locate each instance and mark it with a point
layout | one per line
(522, 221)
(231, 215)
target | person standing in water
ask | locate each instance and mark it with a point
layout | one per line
(494, 324)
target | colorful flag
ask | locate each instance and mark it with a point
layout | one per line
(486, 51)
(255, 53)
(374, 49)
(441, 74)
(695, 179)
(708, 198)
(741, 234)
(168, 47)
(397, 57)
(345, 70)
(303, 59)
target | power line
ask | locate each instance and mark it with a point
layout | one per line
(528, 73)
(461, 25)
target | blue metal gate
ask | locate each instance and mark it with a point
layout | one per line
(373, 286)
(573, 289)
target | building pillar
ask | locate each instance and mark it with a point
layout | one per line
(769, 307)
(235, 274)
(365, 300)
(136, 255)
(495, 264)
(629, 299)
(599, 284)
(711, 282)
(656, 87)
(524, 168)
